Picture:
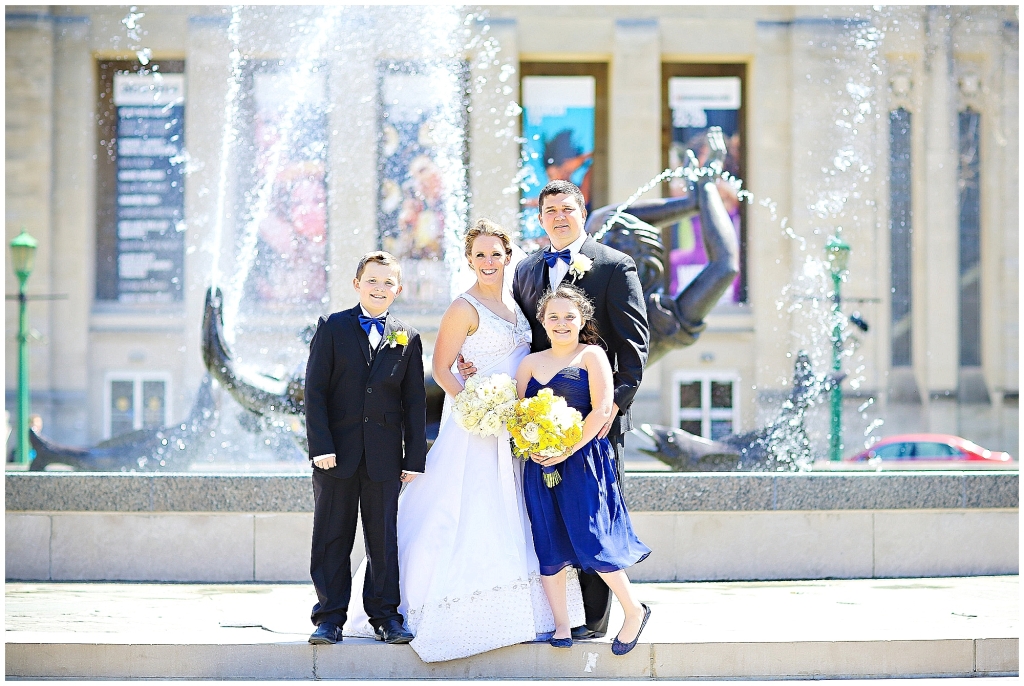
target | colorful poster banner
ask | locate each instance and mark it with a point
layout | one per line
(422, 205)
(290, 145)
(698, 103)
(558, 132)
(150, 187)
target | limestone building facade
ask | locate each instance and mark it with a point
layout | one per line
(896, 128)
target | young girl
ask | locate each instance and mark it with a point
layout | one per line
(582, 521)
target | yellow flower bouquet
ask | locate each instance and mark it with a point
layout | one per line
(545, 425)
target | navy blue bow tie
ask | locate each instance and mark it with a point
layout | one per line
(552, 257)
(367, 322)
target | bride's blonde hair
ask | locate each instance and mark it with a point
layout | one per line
(485, 227)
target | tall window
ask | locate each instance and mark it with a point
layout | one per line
(900, 234)
(707, 404)
(970, 239)
(565, 123)
(696, 97)
(136, 401)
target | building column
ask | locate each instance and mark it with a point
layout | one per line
(352, 159)
(29, 89)
(634, 108)
(769, 151)
(1007, 367)
(74, 226)
(207, 74)
(493, 150)
(939, 341)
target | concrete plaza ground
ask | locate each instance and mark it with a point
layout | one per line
(809, 629)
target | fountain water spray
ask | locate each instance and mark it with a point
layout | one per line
(262, 195)
(228, 138)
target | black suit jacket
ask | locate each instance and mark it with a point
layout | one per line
(619, 308)
(356, 405)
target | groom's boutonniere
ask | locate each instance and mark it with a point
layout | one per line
(397, 338)
(580, 266)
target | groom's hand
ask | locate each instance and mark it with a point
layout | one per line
(603, 433)
(465, 368)
(408, 477)
(327, 462)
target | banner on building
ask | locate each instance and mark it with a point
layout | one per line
(558, 133)
(422, 203)
(286, 197)
(150, 204)
(697, 103)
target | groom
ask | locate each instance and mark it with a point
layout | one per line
(609, 279)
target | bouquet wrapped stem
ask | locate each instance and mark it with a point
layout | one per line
(545, 425)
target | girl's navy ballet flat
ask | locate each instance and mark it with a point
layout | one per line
(620, 648)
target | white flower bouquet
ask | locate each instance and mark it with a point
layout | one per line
(485, 404)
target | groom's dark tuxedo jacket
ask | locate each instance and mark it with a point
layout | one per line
(613, 286)
(358, 403)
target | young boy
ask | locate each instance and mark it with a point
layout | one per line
(365, 399)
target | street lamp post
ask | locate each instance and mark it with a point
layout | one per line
(23, 253)
(838, 255)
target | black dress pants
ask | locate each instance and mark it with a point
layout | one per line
(597, 597)
(337, 503)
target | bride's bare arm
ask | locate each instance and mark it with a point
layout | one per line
(459, 320)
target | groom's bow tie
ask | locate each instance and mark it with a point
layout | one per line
(368, 322)
(552, 257)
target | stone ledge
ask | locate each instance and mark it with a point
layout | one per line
(79, 492)
(362, 659)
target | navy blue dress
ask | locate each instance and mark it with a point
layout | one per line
(582, 521)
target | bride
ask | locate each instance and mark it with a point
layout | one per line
(468, 570)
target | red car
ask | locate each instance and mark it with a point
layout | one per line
(929, 447)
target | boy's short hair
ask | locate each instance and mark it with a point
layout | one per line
(380, 257)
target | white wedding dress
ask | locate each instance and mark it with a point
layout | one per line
(469, 575)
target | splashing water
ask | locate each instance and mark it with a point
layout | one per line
(228, 137)
(301, 78)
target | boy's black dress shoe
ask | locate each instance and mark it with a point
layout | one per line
(581, 633)
(392, 631)
(327, 633)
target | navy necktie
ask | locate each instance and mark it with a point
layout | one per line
(367, 322)
(552, 257)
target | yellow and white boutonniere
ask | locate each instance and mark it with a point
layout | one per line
(580, 266)
(397, 338)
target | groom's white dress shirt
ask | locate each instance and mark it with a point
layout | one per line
(558, 272)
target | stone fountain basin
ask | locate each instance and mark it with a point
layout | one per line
(721, 526)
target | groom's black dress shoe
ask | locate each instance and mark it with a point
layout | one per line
(327, 633)
(582, 633)
(392, 631)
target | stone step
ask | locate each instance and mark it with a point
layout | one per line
(811, 629)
